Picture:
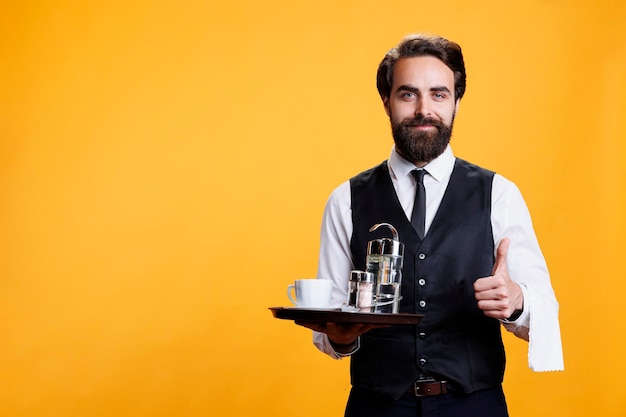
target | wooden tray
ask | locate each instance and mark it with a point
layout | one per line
(338, 316)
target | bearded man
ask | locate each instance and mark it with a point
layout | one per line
(472, 263)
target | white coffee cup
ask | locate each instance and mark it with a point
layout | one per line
(311, 293)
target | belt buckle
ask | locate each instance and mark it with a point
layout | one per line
(423, 387)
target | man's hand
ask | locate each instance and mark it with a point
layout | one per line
(498, 295)
(340, 333)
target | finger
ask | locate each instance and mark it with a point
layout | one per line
(496, 314)
(356, 329)
(318, 327)
(495, 284)
(481, 285)
(492, 304)
(500, 263)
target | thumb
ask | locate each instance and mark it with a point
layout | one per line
(500, 263)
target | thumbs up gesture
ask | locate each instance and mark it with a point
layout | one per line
(498, 295)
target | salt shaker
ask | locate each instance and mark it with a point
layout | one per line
(361, 291)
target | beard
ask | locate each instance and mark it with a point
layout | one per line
(421, 146)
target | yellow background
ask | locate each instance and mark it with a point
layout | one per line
(164, 167)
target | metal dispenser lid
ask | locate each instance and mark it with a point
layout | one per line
(385, 246)
(361, 276)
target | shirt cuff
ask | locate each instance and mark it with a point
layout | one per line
(354, 347)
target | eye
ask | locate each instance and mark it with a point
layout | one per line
(407, 95)
(440, 96)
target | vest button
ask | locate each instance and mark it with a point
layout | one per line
(422, 335)
(422, 362)
(422, 303)
(421, 281)
(421, 256)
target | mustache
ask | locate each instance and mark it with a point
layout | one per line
(422, 121)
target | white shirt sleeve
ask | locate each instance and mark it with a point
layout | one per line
(335, 258)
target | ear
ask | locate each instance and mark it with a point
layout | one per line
(386, 104)
(456, 105)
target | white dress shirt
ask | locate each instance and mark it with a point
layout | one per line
(509, 218)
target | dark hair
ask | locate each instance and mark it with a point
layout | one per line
(422, 45)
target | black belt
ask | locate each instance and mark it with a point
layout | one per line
(428, 387)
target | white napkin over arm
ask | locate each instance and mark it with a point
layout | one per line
(539, 325)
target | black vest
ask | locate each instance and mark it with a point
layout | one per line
(454, 341)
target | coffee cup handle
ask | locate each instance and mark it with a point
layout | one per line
(290, 288)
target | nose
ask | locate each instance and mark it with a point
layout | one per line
(422, 108)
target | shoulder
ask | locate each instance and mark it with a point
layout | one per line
(368, 174)
(473, 169)
(506, 191)
(341, 196)
(371, 179)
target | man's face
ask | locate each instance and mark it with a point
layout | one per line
(421, 108)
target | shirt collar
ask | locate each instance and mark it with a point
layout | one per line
(439, 168)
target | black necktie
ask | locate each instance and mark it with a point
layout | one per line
(418, 217)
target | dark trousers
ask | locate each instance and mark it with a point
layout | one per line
(485, 403)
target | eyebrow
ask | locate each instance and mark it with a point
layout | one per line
(416, 90)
